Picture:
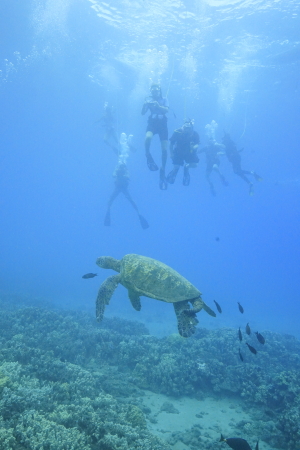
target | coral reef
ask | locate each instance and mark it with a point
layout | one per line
(69, 383)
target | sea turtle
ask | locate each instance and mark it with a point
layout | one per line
(151, 278)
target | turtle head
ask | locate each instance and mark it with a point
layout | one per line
(107, 262)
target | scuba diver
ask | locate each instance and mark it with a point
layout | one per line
(121, 175)
(212, 152)
(157, 124)
(110, 138)
(184, 144)
(234, 157)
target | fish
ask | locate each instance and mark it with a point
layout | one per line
(89, 275)
(260, 337)
(252, 349)
(248, 329)
(241, 309)
(240, 355)
(217, 238)
(218, 306)
(237, 443)
(240, 334)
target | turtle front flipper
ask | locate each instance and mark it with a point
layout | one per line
(105, 293)
(186, 319)
(134, 299)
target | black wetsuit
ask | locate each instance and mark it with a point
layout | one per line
(158, 122)
(183, 142)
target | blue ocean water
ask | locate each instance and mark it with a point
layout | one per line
(235, 62)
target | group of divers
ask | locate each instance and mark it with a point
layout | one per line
(184, 151)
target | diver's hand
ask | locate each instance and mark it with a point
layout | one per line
(153, 104)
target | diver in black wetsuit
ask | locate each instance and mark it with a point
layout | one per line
(158, 107)
(234, 157)
(184, 144)
(121, 176)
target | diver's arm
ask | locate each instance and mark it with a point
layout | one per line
(163, 109)
(145, 108)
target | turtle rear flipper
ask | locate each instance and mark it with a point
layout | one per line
(187, 322)
(105, 293)
(134, 299)
(186, 319)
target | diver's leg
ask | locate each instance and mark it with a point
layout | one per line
(216, 169)
(148, 138)
(129, 198)
(107, 220)
(162, 175)
(207, 176)
(164, 154)
(172, 175)
(150, 161)
(186, 173)
(256, 176)
(113, 196)
(143, 221)
(242, 174)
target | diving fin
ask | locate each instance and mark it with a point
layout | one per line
(186, 176)
(143, 222)
(107, 218)
(151, 163)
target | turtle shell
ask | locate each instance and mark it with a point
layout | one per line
(154, 279)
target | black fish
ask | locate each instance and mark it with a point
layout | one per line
(240, 334)
(237, 443)
(260, 337)
(89, 275)
(252, 349)
(218, 306)
(241, 309)
(248, 329)
(240, 355)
